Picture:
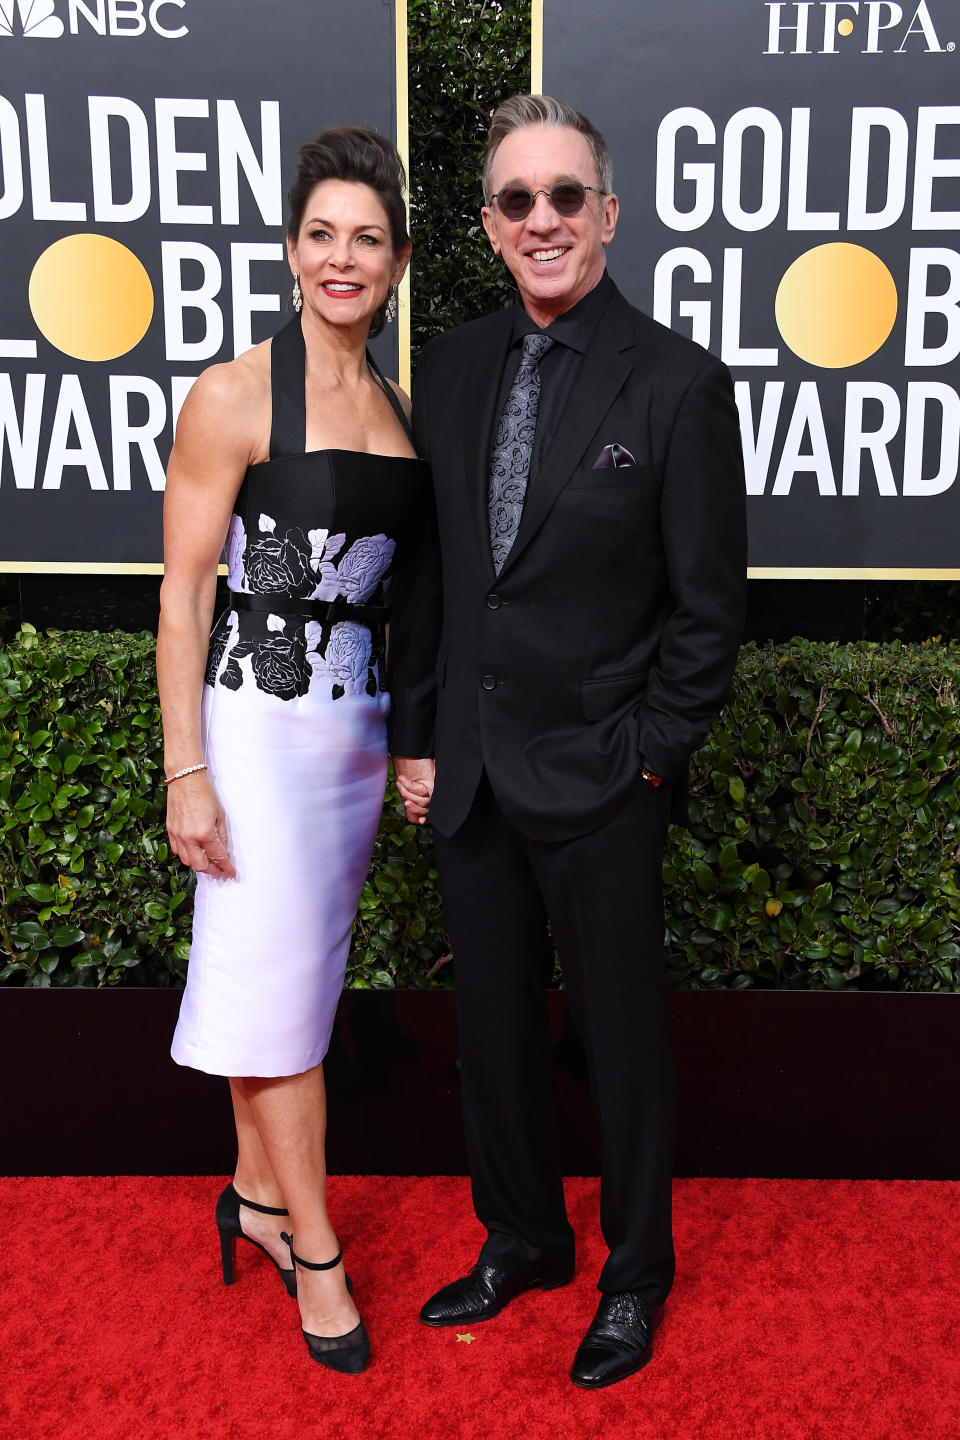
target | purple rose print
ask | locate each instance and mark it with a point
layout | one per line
(236, 545)
(363, 566)
(323, 548)
(348, 656)
(284, 654)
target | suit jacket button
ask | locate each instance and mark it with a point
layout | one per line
(489, 682)
(494, 602)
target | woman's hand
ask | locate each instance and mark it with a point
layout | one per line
(415, 784)
(197, 826)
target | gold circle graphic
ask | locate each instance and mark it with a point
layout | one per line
(845, 26)
(91, 297)
(836, 305)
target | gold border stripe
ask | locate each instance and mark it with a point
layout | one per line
(814, 572)
(86, 567)
(536, 47)
(754, 572)
(403, 145)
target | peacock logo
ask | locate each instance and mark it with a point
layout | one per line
(38, 19)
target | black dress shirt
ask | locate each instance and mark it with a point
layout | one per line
(571, 332)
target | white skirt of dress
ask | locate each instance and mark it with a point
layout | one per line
(302, 784)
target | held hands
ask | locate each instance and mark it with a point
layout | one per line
(415, 784)
(197, 827)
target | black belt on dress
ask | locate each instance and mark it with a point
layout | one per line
(327, 612)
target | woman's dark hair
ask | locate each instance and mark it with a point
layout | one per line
(348, 152)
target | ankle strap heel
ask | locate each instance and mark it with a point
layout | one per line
(261, 1209)
(308, 1264)
(348, 1354)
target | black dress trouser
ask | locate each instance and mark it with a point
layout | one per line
(602, 893)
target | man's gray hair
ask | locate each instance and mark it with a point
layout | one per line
(521, 110)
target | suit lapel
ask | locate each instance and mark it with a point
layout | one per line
(481, 380)
(605, 367)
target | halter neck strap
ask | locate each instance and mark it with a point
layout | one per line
(288, 424)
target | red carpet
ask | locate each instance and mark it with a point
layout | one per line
(802, 1310)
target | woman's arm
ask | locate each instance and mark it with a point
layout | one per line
(212, 450)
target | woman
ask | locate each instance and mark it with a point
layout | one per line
(298, 457)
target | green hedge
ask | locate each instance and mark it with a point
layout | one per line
(823, 848)
(825, 836)
(464, 59)
(89, 893)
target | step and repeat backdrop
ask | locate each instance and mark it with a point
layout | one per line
(789, 179)
(789, 175)
(145, 151)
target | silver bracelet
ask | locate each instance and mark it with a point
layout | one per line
(190, 770)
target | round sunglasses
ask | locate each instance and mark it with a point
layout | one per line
(567, 197)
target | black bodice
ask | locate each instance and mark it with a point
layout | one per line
(314, 527)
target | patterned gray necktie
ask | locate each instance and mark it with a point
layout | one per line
(513, 449)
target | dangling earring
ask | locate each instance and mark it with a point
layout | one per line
(296, 298)
(390, 314)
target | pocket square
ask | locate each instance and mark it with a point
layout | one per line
(613, 457)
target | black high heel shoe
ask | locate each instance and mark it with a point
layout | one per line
(348, 1354)
(230, 1229)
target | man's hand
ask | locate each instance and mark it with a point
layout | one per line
(415, 784)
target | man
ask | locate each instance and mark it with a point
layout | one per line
(590, 501)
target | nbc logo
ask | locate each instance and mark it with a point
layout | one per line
(38, 20)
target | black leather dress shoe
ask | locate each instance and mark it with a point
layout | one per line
(483, 1294)
(618, 1342)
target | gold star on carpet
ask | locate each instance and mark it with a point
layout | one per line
(467, 1339)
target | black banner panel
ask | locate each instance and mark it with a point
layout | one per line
(789, 177)
(145, 151)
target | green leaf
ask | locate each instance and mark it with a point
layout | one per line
(43, 894)
(65, 935)
(728, 859)
(705, 879)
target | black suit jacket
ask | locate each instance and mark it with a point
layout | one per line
(610, 636)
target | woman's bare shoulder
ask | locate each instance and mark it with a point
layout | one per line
(230, 398)
(244, 381)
